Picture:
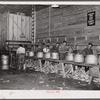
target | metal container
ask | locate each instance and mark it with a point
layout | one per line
(5, 67)
(5, 60)
(40, 55)
(70, 57)
(47, 55)
(31, 54)
(55, 55)
(78, 58)
(91, 59)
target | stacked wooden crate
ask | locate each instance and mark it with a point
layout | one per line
(19, 27)
(15, 27)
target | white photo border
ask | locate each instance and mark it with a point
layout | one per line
(42, 94)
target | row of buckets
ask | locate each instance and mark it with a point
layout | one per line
(5, 62)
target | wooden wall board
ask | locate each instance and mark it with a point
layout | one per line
(53, 40)
(41, 41)
(61, 39)
(81, 38)
(70, 21)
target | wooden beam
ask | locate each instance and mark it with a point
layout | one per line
(18, 41)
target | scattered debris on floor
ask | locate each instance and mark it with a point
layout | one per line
(1, 79)
(96, 80)
(41, 81)
(6, 81)
(32, 81)
(81, 75)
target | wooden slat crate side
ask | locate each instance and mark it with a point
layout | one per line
(20, 27)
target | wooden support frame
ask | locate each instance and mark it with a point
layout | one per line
(64, 73)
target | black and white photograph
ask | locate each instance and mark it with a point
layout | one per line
(49, 47)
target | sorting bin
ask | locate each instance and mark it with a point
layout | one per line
(5, 62)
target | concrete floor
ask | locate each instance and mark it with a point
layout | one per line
(32, 80)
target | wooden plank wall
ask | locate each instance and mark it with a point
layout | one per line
(3, 29)
(69, 22)
(42, 23)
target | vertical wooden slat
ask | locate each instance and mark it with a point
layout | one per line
(27, 27)
(10, 26)
(15, 27)
(19, 29)
(30, 28)
(23, 27)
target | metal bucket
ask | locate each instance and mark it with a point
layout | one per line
(70, 57)
(31, 54)
(55, 55)
(91, 59)
(5, 67)
(40, 55)
(47, 55)
(79, 58)
(5, 62)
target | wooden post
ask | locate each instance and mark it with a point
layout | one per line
(40, 64)
(63, 70)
